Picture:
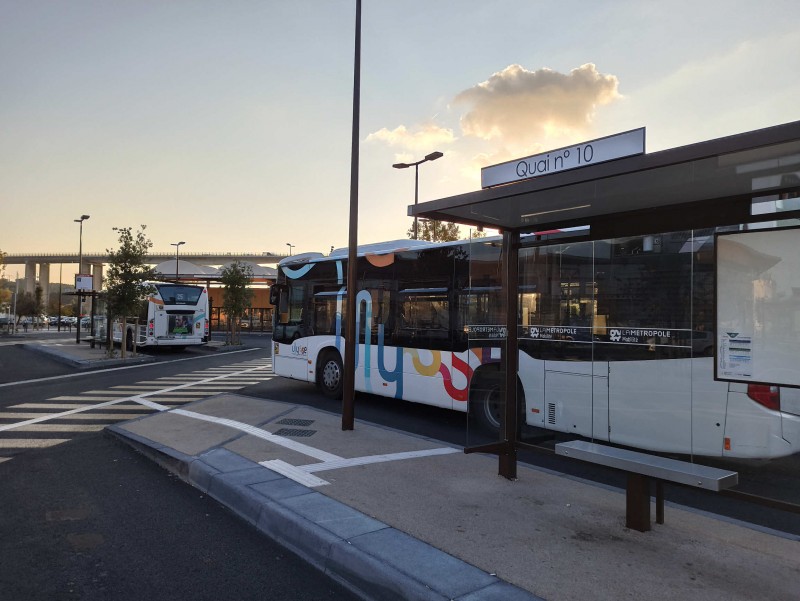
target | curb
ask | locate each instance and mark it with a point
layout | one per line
(71, 359)
(370, 558)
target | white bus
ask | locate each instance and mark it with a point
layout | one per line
(615, 338)
(174, 315)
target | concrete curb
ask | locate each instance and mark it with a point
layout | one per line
(369, 557)
(85, 363)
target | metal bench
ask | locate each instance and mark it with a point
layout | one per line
(641, 467)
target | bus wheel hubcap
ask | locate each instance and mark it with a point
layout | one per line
(330, 375)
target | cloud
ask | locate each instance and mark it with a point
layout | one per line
(520, 107)
(421, 138)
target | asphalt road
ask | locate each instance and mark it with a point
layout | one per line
(91, 519)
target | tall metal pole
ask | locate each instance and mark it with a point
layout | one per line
(80, 268)
(348, 385)
(416, 198)
(177, 245)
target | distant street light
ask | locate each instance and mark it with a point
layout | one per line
(291, 246)
(177, 246)
(431, 157)
(80, 268)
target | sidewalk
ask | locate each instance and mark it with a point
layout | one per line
(83, 356)
(397, 517)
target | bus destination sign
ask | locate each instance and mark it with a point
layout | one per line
(621, 145)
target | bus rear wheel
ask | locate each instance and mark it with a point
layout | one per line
(487, 406)
(331, 376)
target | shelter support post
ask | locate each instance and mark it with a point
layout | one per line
(510, 357)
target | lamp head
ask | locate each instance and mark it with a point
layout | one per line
(434, 155)
(401, 165)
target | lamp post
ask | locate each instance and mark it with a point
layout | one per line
(80, 268)
(291, 246)
(177, 246)
(431, 157)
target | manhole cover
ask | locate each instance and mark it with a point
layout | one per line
(295, 432)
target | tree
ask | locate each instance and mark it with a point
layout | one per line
(435, 231)
(237, 297)
(127, 273)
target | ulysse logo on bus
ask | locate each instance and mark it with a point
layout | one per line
(300, 350)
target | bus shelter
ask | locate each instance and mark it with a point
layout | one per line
(631, 235)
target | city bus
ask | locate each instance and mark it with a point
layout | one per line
(173, 315)
(615, 338)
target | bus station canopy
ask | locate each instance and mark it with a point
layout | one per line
(705, 184)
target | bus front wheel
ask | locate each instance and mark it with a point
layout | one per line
(332, 376)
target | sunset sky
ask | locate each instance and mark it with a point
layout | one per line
(227, 124)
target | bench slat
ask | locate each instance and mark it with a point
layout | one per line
(691, 474)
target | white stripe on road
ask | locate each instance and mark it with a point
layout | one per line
(263, 434)
(30, 443)
(175, 390)
(102, 371)
(75, 414)
(62, 428)
(294, 473)
(369, 459)
(70, 406)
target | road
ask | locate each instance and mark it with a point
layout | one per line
(85, 517)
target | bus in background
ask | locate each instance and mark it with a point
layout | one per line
(174, 315)
(614, 340)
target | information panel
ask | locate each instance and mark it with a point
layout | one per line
(758, 306)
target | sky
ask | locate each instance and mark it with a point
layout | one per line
(228, 125)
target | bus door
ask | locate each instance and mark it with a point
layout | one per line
(644, 315)
(566, 386)
(160, 319)
(290, 348)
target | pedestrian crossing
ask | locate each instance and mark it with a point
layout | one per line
(50, 422)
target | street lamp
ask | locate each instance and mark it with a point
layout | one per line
(291, 246)
(177, 246)
(431, 157)
(80, 268)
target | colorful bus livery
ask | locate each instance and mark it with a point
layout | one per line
(613, 339)
(174, 315)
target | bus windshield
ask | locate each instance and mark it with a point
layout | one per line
(174, 294)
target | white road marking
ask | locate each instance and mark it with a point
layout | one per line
(263, 434)
(71, 406)
(62, 428)
(74, 414)
(30, 443)
(369, 459)
(103, 371)
(294, 473)
(137, 398)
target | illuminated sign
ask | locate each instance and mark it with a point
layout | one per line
(626, 144)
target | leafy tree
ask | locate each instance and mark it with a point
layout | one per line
(127, 273)
(435, 231)
(26, 305)
(237, 297)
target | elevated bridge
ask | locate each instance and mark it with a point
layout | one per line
(92, 263)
